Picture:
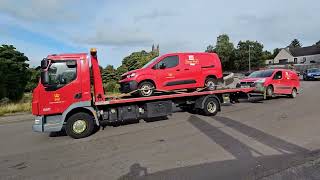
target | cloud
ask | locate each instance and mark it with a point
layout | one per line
(154, 15)
(119, 37)
(41, 10)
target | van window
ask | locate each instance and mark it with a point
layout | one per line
(168, 62)
(278, 75)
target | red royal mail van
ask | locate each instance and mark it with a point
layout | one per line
(275, 81)
(174, 71)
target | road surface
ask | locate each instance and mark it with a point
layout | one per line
(274, 139)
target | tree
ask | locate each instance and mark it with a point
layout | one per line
(317, 43)
(295, 44)
(13, 72)
(241, 61)
(225, 50)
(267, 55)
(275, 52)
(210, 49)
(34, 79)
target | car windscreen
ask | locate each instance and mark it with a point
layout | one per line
(261, 74)
(313, 70)
(150, 62)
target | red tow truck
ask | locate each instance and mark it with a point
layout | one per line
(64, 100)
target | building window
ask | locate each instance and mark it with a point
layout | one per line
(295, 60)
(304, 60)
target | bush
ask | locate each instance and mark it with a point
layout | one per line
(112, 86)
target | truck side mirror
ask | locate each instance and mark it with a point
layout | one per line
(44, 63)
(44, 78)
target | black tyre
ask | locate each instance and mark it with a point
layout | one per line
(293, 93)
(211, 107)
(211, 84)
(80, 125)
(269, 92)
(146, 89)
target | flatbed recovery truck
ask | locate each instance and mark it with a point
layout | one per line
(63, 99)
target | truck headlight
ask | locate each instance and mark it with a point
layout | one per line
(37, 121)
(131, 75)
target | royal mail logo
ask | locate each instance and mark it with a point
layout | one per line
(56, 97)
(191, 60)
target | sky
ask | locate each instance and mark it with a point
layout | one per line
(118, 28)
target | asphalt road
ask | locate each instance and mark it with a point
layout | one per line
(274, 139)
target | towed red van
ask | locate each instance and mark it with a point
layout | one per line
(274, 81)
(174, 71)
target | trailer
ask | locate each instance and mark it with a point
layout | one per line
(63, 100)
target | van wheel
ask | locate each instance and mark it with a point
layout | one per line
(211, 84)
(211, 107)
(293, 93)
(80, 125)
(269, 91)
(146, 89)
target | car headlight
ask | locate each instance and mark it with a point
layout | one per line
(131, 75)
(260, 80)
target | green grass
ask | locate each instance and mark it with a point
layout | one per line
(14, 108)
(24, 105)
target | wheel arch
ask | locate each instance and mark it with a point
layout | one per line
(199, 103)
(211, 76)
(148, 80)
(80, 107)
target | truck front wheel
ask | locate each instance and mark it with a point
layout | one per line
(80, 125)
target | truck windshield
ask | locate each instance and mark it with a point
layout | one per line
(60, 73)
(150, 62)
(261, 74)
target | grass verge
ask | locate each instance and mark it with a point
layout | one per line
(24, 105)
(15, 107)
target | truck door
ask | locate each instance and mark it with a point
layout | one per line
(63, 89)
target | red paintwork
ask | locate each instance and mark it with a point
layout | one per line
(97, 80)
(183, 71)
(56, 102)
(289, 80)
(142, 99)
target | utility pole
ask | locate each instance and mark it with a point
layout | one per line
(249, 59)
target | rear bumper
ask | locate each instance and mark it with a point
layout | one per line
(126, 87)
(47, 124)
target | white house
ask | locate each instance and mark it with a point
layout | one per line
(304, 55)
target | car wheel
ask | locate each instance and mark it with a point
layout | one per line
(146, 89)
(80, 125)
(211, 107)
(269, 91)
(211, 84)
(293, 93)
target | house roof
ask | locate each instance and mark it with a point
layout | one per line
(305, 51)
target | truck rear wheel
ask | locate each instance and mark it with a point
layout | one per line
(80, 125)
(211, 107)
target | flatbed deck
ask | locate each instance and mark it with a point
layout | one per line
(171, 96)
